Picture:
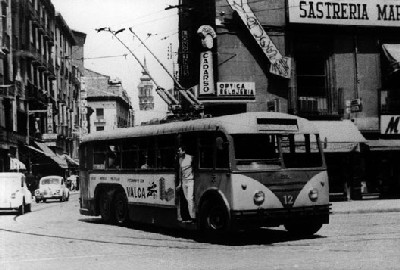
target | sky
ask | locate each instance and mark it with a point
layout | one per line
(157, 27)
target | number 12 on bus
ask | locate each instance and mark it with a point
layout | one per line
(250, 170)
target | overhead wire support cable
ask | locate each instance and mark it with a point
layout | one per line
(187, 94)
(167, 97)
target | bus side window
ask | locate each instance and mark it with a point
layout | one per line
(222, 152)
(166, 151)
(206, 144)
(99, 156)
(113, 157)
(130, 155)
(147, 153)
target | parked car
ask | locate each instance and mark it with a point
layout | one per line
(52, 187)
(14, 194)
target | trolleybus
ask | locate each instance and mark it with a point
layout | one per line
(251, 170)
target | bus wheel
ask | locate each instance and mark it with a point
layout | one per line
(214, 217)
(106, 207)
(303, 229)
(121, 208)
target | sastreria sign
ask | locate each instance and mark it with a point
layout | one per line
(346, 12)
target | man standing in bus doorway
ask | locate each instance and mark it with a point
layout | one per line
(186, 178)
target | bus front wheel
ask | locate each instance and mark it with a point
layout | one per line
(121, 208)
(214, 217)
(105, 206)
(304, 228)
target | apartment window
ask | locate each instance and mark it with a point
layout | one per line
(100, 113)
(100, 128)
(312, 58)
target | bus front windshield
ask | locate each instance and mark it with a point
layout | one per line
(276, 151)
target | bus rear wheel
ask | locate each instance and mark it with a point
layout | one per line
(214, 217)
(303, 228)
(120, 209)
(105, 207)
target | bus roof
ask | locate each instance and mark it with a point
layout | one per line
(244, 123)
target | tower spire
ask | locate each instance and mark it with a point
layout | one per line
(144, 66)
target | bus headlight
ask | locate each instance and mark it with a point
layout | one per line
(313, 194)
(259, 197)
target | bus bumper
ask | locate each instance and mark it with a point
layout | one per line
(276, 217)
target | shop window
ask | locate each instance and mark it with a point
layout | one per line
(390, 96)
(312, 75)
(311, 85)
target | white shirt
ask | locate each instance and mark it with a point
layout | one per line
(186, 167)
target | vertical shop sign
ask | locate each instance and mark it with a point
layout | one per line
(50, 118)
(206, 74)
(280, 65)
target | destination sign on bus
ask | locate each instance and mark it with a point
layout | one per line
(268, 124)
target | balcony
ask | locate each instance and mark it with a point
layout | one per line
(6, 43)
(36, 94)
(50, 67)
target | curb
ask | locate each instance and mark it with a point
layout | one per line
(365, 211)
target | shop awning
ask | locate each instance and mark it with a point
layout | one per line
(339, 136)
(392, 53)
(48, 152)
(35, 149)
(71, 162)
(384, 145)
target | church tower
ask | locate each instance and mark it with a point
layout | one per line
(146, 98)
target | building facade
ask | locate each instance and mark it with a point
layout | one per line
(108, 105)
(321, 60)
(145, 88)
(40, 89)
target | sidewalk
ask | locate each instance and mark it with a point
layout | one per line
(366, 206)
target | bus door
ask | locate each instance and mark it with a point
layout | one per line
(185, 175)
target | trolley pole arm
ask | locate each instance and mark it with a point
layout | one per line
(169, 99)
(185, 93)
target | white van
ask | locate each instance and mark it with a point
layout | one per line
(14, 194)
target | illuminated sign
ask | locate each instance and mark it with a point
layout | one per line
(206, 74)
(346, 12)
(229, 89)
